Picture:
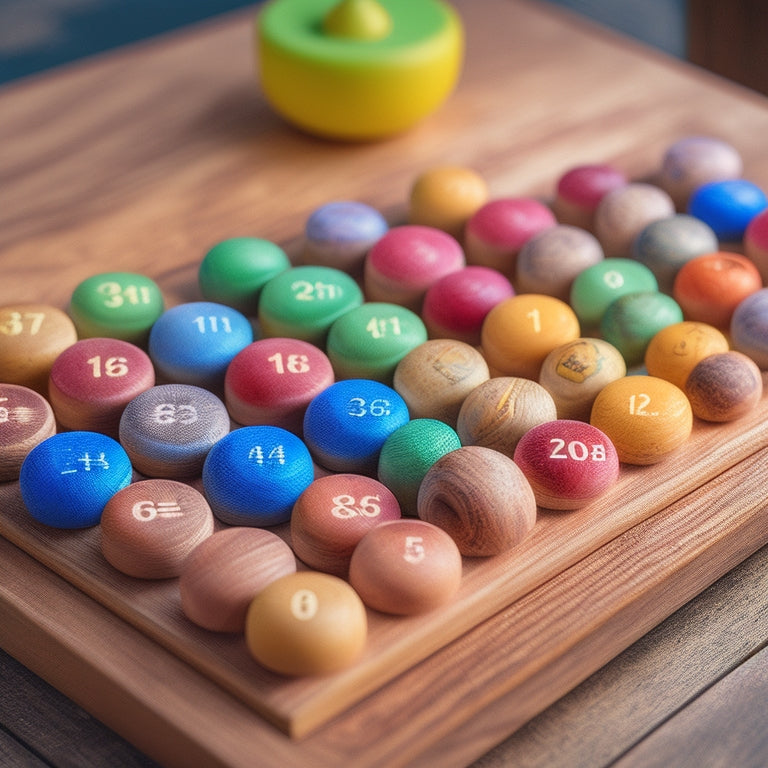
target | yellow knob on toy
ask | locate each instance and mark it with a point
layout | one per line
(358, 69)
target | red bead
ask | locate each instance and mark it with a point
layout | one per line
(580, 189)
(756, 243)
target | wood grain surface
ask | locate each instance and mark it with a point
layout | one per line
(141, 161)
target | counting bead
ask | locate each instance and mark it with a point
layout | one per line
(749, 328)
(224, 572)
(331, 516)
(646, 418)
(120, 305)
(406, 567)
(303, 302)
(435, 377)
(346, 425)
(500, 411)
(370, 340)
(550, 261)
(455, 306)
(306, 623)
(575, 372)
(149, 528)
(696, 160)
(234, 271)
(568, 463)
(403, 263)
(408, 453)
(66, 480)
(92, 381)
(601, 284)
(724, 386)
(711, 286)
(497, 231)
(254, 475)
(168, 429)
(664, 246)
(32, 336)
(624, 212)
(340, 234)
(271, 381)
(445, 197)
(728, 206)
(756, 243)
(481, 498)
(194, 343)
(26, 419)
(580, 189)
(632, 320)
(521, 331)
(674, 351)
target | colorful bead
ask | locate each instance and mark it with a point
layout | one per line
(728, 206)
(756, 243)
(580, 189)
(749, 328)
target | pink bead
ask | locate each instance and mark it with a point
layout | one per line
(456, 305)
(406, 261)
(756, 243)
(580, 189)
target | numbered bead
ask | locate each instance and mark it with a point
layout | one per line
(756, 243)
(749, 328)
(497, 231)
(406, 567)
(340, 234)
(254, 475)
(224, 572)
(501, 410)
(150, 527)
(646, 418)
(728, 206)
(92, 381)
(168, 429)
(331, 516)
(550, 261)
(66, 480)
(32, 336)
(445, 197)
(407, 455)
(306, 623)
(711, 286)
(234, 271)
(456, 305)
(26, 419)
(632, 320)
(303, 302)
(481, 498)
(521, 331)
(580, 189)
(724, 386)
(273, 380)
(119, 305)
(568, 463)
(575, 372)
(346, 425)
(403, 263)
(194, 343)
(369, 341)
(674, 351)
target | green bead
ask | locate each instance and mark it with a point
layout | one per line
(303, 302)
(602, 283)
(369, 341)
(117, 305)
(407, 455)
(234, 271)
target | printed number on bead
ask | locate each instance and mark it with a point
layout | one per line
(259, 456)
(357, 406)
(289, 363)
(146, 511)
(113, 367)
(346, 506)
(87, 462)
(535, 317)
(303, 290)
(21, 414)
(304, 604)
(18, 322)
(118, 296)
(213, 324)
(638, 405)
(379, 327)
(576, 450)
(170, 413)
(613, 279)
(414, 551)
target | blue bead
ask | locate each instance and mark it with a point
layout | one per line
(346, 425)
(194, 343)
(727, 206)
(67, 480)
(254, 475)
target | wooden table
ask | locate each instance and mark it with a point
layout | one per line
(141, 160)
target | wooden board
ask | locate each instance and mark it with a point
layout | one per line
(171, 149)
